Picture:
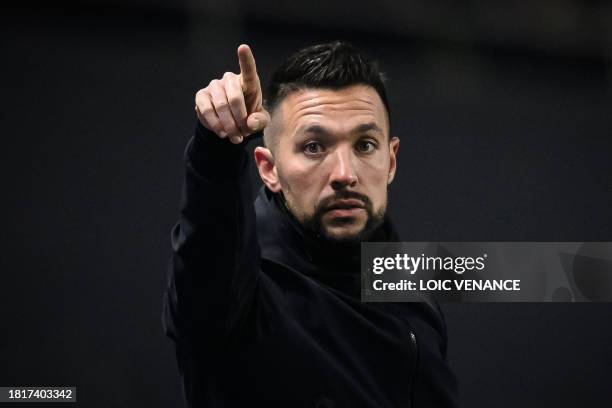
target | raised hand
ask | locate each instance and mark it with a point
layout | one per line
(233, 105)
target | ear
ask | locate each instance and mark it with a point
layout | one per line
(267, 168)
(393, 148)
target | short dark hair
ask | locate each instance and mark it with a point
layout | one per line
(334, 65)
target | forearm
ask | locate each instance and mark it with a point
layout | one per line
(215, 256)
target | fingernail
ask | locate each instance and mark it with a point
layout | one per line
(223, 134)
(256, 127)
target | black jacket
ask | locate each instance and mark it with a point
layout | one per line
(262, 314)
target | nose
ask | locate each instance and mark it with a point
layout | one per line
(343, 172)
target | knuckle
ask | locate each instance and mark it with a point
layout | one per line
(232, 129)
(207, 110)
(221, 105)
(200, 100)
(199, 96)
(235, 101)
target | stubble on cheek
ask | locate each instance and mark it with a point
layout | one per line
(295, 197)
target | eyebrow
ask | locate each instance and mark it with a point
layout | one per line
(363, 128)
(366, 127)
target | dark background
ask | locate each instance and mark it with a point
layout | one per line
(504, 113)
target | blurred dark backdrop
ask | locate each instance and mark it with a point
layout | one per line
(503, 109)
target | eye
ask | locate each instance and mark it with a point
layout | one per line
(313, 148)
(365, 146)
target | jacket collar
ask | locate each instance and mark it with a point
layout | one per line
(284, 241)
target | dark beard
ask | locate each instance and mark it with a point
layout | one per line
(314, 224)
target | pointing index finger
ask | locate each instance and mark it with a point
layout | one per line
(248, 70)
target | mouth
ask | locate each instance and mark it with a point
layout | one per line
(345, 208)
(350, 203)
(345, 212)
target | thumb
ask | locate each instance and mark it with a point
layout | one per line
(257, 121)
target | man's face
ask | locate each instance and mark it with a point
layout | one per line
(334, 159)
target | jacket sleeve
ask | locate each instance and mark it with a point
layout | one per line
(213, 270)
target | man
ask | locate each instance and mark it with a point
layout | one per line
(263, 300)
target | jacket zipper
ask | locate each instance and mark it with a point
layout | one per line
(415, 348)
